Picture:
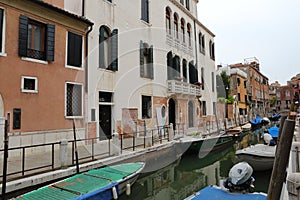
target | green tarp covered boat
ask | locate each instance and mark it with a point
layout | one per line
(103, 183)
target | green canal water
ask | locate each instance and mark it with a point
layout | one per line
(190, 173)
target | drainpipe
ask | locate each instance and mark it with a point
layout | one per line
(83, 8)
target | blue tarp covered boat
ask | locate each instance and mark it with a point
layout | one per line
(273, 131)
(256, 123)
(216, 193)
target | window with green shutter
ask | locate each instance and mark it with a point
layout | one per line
(108, 49)
(36, 39)
(146, 60)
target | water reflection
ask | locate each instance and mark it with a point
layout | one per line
(191, 173)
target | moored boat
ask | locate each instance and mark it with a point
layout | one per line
(256, 123)
(246, 127)
(260, 156)
(236, 186)
(103, 183)
(216, 193)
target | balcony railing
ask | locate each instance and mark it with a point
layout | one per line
(179, 87)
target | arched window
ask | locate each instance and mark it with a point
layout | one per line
(201, 43)
(168, 20)
(183, 29)
(108, 48)
(104, 47)
(189, 34)
(212, 50)
(184, 70)
(176, 25)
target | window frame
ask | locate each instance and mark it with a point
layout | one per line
(176, 24)
(146, 54)
(145, 11)
(189, 33)
(2, 32)
(168, 20)
(66, 100)
(148, 108)
(81, 67)
(182, 28)
(28, 90)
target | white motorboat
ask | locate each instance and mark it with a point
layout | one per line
(260, 156)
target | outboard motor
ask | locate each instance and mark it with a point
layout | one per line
(240, 178)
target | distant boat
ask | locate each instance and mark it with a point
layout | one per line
(209, 144)
(275, 117)
(104, 183)
(246, 127)
(260, 156)
(256, 123)
(273, 131)
(216, 193)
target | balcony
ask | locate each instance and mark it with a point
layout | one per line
(179, 87)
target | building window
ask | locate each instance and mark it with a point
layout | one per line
(176, 68)
(245, 84)
(193, 73)
(74, 50)
(36, 40)
(108, 49)
(212, 50)
(213, 81)
(74, 100)
(29, 84)
(187, 4)
(238, 81)
(146, 107)
(176, 25)
(184, 70)
(214, 108)
(189, 34)
(201, 43)
(17, 118)
(145, 10)
(1, 31)
(239, 97)
(146, 60)
(168, 21)
(182, 2)
(183, 30)
(204, 108)
(202, 77)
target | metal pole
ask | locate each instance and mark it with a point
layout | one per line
(5, 159)
(281, 160)
(76, 151)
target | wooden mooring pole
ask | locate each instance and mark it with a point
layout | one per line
(76, 150)
(281, 160)
(5, 156)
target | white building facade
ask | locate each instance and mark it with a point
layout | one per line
(147, 60)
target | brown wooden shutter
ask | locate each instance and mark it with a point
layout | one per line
(23, 35)
(50, 42)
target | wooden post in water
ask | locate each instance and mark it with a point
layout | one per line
(5, 156)
(76, 150)
(281, 160)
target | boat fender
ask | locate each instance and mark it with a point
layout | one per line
(114, 191)
(128, 189)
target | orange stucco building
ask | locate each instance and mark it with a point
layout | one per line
(42, 71)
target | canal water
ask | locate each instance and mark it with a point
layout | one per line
(190, 173)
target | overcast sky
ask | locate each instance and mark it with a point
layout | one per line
(266, 29)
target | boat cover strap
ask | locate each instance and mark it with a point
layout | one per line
(65, 189)
(96, 176)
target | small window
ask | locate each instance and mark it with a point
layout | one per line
(17, 118)
(146, 60)
(74, 100)
(204, 108)
(245, 84)
(2, 31)
(29, 84)
(238, 81)
(239, 97)
(168, 21)
(182, 2)
(189, 33)
(213, 81)
(183, 30)
(187, 4)
(74, 50)
(145, 10)
(176, 25)
(146, 107)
